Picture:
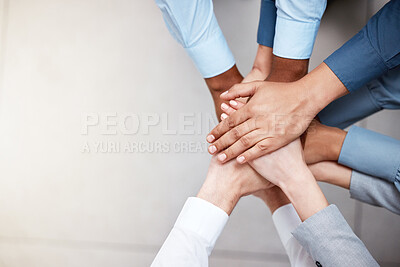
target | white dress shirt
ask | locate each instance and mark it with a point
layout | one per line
(286, 221)
(199, 225)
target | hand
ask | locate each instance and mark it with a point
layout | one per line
(221, 83)
(287, 169)
(276, 114)
(322, 143)
(227, 183)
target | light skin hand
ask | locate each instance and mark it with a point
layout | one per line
(283, 70)
(276, 114)
(227, 183)
(287, 169)
(332, 173)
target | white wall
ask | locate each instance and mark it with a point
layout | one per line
(62, 60)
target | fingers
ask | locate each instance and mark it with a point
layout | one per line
(245, 142)
(240, 90)
(227, 109)
(227, 124)
(262, 148)
(232, 107)
(231, 137)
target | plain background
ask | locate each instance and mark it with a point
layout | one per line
(62, 59)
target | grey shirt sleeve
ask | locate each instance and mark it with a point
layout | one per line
(331, 242)
(374, 191)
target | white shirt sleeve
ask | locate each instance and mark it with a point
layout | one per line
(296, 28)
(286, 220)
(193, 236)
(194, 25)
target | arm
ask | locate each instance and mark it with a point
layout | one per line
(283, 115)
(363, 187)
(324, 232)
(382, 93)
(194, 25)
(203, 218)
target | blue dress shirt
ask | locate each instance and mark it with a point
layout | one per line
(379, 94)
(194, 25)
(371, 52)
(364, 150)
(372, 153)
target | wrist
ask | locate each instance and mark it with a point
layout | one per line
(224, 196)
(287, 70)
(336, 140)
(305, 195)
(298, 178)
(224, 81)
(321, 87)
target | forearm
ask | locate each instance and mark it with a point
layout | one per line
(220, 83)
(262, 65)
(224, 196)
(332, 173)
(305, 194)
(320, 87)
(287, 70)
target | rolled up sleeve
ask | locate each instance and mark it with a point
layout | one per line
(372, 153)
(297, 25)
(194, 25)
(371, 52)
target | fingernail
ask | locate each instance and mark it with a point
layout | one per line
(224, 106)
(224, 116)
(224, 93)
(212, 149)
(233, 103)
(221, 157)
(240, 159)
(210, 138)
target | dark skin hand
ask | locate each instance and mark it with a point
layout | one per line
(219, 84)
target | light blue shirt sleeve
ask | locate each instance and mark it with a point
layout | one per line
(382, 93)
(297, 25)
(194, 25)
(372, 153)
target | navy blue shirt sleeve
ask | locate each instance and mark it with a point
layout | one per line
(266, 25)
(371, 52)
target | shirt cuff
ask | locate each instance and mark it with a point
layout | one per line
(349, 109)
(356, 62)
(266, 25)
(294, 39)
(212, 56)
(285, 220)
(372, 153)
(202, 218)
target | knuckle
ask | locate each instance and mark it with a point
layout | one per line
(235, 133)
(230, 122)
(262, 146)
(245, 140)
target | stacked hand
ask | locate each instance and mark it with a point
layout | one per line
(257, 128)
(227, 183)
